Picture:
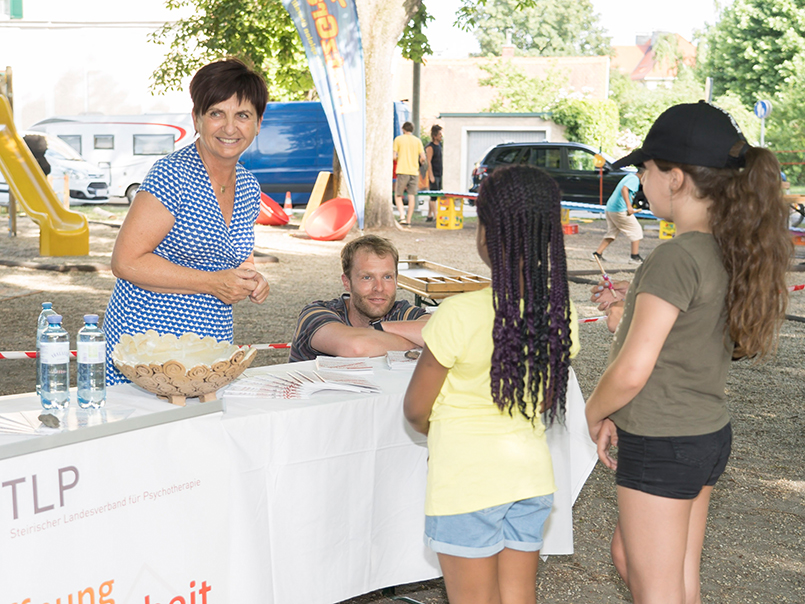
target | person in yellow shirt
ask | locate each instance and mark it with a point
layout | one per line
(494, 366)
(409, 154)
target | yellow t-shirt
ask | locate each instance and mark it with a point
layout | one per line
(408, 149)
(479, 457)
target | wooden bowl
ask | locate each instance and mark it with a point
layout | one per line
(178, 368)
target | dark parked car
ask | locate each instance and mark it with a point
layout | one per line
(571, 164)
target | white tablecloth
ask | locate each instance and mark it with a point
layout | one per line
(325, 500)
(339, 482)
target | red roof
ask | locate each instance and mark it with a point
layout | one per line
(639, 61)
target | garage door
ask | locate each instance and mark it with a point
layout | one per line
(479, 141)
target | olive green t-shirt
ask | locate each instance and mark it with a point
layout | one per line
(684, 395)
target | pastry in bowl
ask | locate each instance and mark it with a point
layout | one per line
(180, 367)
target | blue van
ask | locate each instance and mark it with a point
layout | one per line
(294, 145)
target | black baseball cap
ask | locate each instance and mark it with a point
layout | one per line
(698, 134)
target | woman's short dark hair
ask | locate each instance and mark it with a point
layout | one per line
(218, 81)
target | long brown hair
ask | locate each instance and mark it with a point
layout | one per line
(749, 220)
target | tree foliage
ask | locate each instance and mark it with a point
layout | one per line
(786, 126)
(260, 33)
(414, 43)
(640, 106)
(753, 49)
(743, 116)
(586, 120)
(545, 28)
(590, 121)
(519, 93)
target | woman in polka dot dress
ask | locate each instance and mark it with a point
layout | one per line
(184, 253)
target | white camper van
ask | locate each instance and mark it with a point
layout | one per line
(87, 182)
(124, 146)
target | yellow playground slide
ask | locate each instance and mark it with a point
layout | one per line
(62, 232)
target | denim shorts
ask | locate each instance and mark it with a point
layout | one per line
(484, 533)
(676, 467)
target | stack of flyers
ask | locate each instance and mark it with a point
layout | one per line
(49, 422)
(24, 422)
(403, 359)
(344, 364)
(296, 385)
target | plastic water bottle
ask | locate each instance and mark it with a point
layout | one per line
(91, 351)
(54, 348)
(41, 325)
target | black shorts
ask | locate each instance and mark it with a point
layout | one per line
(676, 467)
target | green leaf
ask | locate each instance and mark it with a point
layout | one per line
(414, 43)
(542, 28)
(261, 33)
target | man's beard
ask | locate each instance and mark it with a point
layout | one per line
(370, 311)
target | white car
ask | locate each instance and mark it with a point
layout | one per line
(87, 181)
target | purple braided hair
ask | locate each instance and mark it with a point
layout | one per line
(519, 207)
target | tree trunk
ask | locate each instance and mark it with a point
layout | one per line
(382, 23)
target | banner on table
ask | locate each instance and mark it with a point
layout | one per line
(332, 39)
(144, 529)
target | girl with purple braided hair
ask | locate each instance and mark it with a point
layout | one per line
(494, 366)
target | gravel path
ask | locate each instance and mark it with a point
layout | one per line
(754, 546)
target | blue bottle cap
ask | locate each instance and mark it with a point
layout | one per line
(54, 319)
(46, 305)
(91, 319)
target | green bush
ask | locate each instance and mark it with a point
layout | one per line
(785, 129)
(590, 121)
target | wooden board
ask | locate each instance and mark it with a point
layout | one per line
(323, 183)
(432, 280)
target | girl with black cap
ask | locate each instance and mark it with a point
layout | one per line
(715, 292)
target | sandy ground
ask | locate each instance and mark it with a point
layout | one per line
(754, 545)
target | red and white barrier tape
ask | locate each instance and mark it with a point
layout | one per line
(32, 354)
(269, 346)
(23, 355)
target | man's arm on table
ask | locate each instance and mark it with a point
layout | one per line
(409, 330)
(337, 339)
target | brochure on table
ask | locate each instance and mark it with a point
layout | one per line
(127, 408)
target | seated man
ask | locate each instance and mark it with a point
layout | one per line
(366, 321)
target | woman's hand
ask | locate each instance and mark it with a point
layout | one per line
(234, 284)
(604, 297)
(260, 293)
(605, 435)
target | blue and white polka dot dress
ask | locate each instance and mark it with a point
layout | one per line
(199, 239)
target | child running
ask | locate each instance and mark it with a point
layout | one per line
(495, 360)
(715, 292)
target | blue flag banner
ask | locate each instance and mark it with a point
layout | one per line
(332, 38)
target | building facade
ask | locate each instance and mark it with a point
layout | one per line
(70, 57)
